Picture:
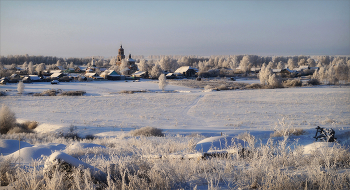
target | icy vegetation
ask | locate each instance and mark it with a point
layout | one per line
(179, 138)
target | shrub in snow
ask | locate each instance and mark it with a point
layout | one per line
(292, 83)
(254, 86)
(66, 163)
(7, 119)
(52, 92)
(7, 169)
(223, 87)
(8, 123)
(313, 82)
(208, 87)
(20, 87)
(29, 125)
(18, 129)
(288, 132)
(72, 93)
(264, 74)
(147, 131)
(162, 82)
(275, 81)
(59, 92)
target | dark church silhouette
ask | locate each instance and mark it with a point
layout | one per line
(130, 62)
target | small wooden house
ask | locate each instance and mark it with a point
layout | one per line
(186, 71)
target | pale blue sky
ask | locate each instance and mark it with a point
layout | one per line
(91, 28)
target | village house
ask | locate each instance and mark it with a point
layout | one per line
(140, 74)
(56, 75)
(93, 76)
(111, 75)
(186, 71)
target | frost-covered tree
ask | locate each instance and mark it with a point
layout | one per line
(342, 72)
(234, 63)
(30, 68)
(162, 82)
(112, 62)
(320, 74)
(201, 66)
(123, 67)
(168, 64)
(264, 74)
(39, 68)
(311, 62)
(156, 71)
(245, 64)
(184, 61)
(331, 75)
(58, 63)
(20, 87)
(291, 64)
(25, 65)
(274, 81)
(143, 66)
(280, 65)
(302, 62)
(71, 65)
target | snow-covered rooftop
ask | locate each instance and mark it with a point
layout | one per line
(183, 69)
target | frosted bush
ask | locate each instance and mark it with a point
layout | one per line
(274, 81)
(314, 82)
(147, 131)
(7, 119)
(20, 87)
(288, 132)
(271, 165)
(162, 82)
(222, 87)
(254, 86)
(18, 129)
(8, 123)
(264, 74)
(208, 87)
(292, 83)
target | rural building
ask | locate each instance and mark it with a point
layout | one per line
(35, 78)
(110, 75)
(132, 65)
(93, 76)
(131, 62)
(170, 76)
(56, 75)
(120, 55)
(186, 71)
(140, 74)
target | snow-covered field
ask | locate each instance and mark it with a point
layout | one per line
(182, 111)
(185, 115)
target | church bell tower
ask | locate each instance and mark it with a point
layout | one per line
(120, 54)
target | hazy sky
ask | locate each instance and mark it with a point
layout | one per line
(92, 28)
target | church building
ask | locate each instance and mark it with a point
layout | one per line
(120, 55)
(131, 62)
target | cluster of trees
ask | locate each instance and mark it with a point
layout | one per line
(332, 69)
(338, 71)
(227, 65)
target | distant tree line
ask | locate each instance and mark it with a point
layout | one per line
(333, 69)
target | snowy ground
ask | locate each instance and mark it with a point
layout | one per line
(179, 111)
(103, 111)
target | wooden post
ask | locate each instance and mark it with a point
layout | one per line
(19, 150)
